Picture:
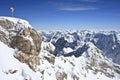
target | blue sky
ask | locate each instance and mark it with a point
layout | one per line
(65, 14)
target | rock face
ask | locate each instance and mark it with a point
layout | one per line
(27, 41)
(17, 33)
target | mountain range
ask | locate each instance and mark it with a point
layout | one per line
(64, 54)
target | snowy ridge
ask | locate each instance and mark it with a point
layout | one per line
(11, 25)
(16, 21)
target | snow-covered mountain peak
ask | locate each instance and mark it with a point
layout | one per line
(90, 44)
(92, 52)
(18, 34)
(16, 21)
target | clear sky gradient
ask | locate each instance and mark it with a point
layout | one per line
(65, 14)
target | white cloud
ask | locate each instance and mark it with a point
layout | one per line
(77, 8)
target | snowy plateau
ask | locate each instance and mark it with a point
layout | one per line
(66, 55)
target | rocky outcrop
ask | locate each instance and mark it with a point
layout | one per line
(27, 41)
(18, 34)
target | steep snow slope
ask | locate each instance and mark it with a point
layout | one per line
(11, 68)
